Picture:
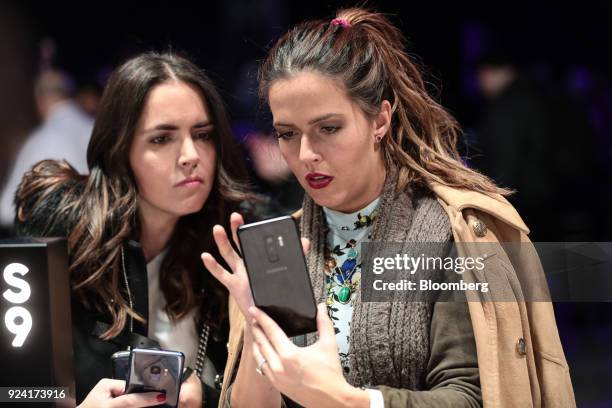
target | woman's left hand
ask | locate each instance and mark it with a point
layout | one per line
(311, 376)
(191, 392)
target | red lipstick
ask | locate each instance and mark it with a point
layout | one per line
(318, 180)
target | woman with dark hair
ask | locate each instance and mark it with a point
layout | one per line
(377, 157)
(164, 169)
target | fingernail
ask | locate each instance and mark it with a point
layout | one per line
(161, 397)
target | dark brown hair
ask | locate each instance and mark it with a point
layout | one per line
(366, 53)
(103, 205)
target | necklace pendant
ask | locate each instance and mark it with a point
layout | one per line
(344, 295)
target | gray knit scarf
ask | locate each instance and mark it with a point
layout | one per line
(389, 341)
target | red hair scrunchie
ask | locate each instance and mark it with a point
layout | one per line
(341, 22)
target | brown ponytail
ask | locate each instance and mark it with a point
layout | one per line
(367, 53)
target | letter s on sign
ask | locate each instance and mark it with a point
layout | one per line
(9, 277)
(17, 319)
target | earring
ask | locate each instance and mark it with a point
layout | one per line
(378, 138)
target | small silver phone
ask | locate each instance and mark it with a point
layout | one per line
(153, 370)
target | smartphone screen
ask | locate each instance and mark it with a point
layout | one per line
(278, 274)
(158, 371)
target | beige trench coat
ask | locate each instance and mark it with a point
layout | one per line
(520, 357)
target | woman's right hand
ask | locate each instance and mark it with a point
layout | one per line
(109, 393)
(236, 282)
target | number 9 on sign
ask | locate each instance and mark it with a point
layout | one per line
(19, 322)
(17, 319)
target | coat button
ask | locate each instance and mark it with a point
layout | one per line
(480, 228)
(521, 347)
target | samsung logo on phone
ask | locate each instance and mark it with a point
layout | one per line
(17, 319)
(276, 270)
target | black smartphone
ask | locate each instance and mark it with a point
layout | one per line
(120, 361)
(278, 274)
(153, 370)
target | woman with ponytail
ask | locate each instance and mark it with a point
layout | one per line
(377, 157)
(164, 169)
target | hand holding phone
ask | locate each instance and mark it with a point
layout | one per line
(156, 371)
(108, 392)
(278, 275)
(237, 281)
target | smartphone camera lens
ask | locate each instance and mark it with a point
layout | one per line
(155, 373)
(271, 249)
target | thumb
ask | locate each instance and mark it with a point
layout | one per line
(305, 245)
(112, 387)
(325, 327)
